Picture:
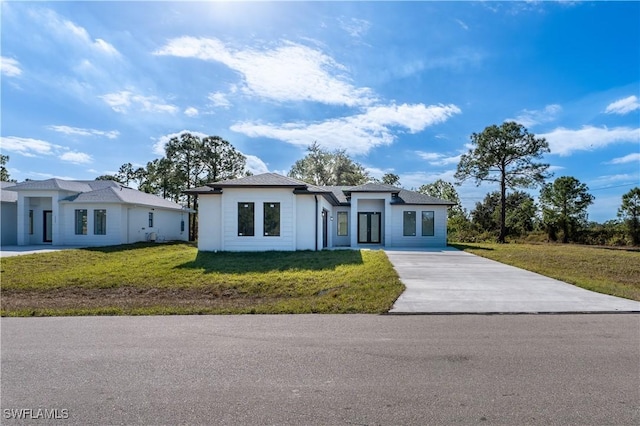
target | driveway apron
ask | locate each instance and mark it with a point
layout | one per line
(452, 281)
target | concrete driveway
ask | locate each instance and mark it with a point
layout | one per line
(9, 251)
(452, 281)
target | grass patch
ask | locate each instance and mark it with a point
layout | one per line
(605, 270)
(174, 278)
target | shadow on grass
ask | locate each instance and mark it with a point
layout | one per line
(466, 246)
(243, 262)
(135, 246)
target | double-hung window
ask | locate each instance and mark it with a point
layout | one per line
(271, 219)
(246, 219)
(150, 219)
(343, 224)
(100, 222)
(81, 221)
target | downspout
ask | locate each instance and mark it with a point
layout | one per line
(316, 197)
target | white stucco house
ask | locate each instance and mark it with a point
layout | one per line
(93, 213)
(8, 215)
(274, 212)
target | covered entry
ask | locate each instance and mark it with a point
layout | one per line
(369, 227)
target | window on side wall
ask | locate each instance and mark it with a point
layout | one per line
(272, 219)
(409, 224)
(427, 224)
(81, 222)
(150, 219)
(30, 222)
(100, 222)
(245, 219)
(343, 224)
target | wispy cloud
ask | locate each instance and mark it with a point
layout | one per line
(437, 159)
(10, 67)
(289, 72)
(355, 134)
(76, 157)
(191, 112)
(462, 24)
(564, 141)
(529, 118)
(630, 158)
(29, 147)
(355, 27)
(125, 101)
(219, 100)
(623, 106)
(67, 130)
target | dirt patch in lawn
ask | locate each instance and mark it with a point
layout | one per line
(127, 298)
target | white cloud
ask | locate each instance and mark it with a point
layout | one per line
(191, 112)
(436, 159)
(255, 165)
(623, 106)
(631, 158)
(529, 118)
(9, 67)
(462, 24)
(610, 179)
(125, 100)
(219, 100)
(355, 27)
(289, 72)
(76, 157)
(565, 141)
(356, 134)
(27, 146)
(112, 134)
(377, 172)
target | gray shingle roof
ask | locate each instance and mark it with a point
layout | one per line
(97, 191)
(335, 194)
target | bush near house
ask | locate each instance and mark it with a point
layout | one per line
(174, 278)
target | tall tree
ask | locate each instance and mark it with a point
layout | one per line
(391, 179)
(506, 155)
(521, 212)
(629, 211)
(321, 167)
(4, 173)
(564, 204)
(445, 191)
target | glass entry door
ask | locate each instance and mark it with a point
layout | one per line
(369, 225)
(47, 226)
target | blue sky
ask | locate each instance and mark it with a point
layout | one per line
(400, 86)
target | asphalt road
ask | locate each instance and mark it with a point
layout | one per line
(325, 370)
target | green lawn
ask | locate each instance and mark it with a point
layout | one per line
(605, 270)
(148, 279)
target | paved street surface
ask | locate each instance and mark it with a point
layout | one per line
(325, 369)
(452, 281)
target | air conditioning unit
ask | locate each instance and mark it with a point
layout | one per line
(152, 237)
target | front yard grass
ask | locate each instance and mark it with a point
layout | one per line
(174, 278)
(605, 270)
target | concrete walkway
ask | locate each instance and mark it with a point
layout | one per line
(10, 251)
(452, 281)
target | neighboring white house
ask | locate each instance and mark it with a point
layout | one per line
(274, 212)
(8, 215)
(93, 213)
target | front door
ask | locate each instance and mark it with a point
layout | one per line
(325, 228)
(369, 227)
(47, 226)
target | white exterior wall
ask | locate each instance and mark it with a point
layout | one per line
(115, 225)
(231, 241)
(166, 224)
(306, 222)
(439, 239)
(38, 201)
(210, 222)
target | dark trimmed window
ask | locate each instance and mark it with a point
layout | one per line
(246, 219)
(427, 224)
(30, 222)
(100, 222)
(409, 224)
(343, 224)
(81, 222)
(272, 219)
(150, 219)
